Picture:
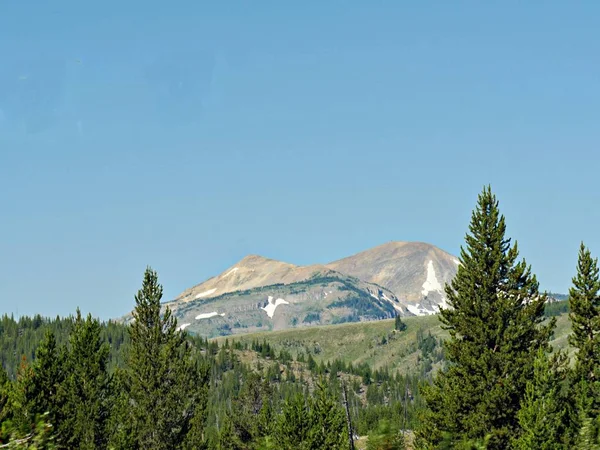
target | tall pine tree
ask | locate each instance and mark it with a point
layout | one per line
(86, 391)
(48, 368)
(584, 302)
(162, 387)
(495, 325)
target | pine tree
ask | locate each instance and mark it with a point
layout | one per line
(385, 438)
(543, 413)
(226, 435)
(584, 302)
(161, 383)
(4, 390)
(328, 421)
(21, 399)
(49, 374)
(495, 325)
(398, 324)
(86, 390)
(196, 437)
(293, 424)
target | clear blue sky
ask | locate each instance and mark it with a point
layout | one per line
(184, 137)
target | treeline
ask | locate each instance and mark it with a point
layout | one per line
(79, 383)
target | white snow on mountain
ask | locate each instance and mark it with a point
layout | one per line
(209, 315)
(205, 293)
(272, 305)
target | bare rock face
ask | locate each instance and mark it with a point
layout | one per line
(415, 272)
(257, 293)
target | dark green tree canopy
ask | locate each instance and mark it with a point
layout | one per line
(494, 319)
(584, 298)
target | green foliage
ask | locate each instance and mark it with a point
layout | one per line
(556, 308)
(588, 438)
(543, 414)
(386, 437)
(585, 337)
(328, 423)
(293, 424)
(161, 384)
(4, 390)
(399, 325)
(312, 423)
(85, 393)
(495, 326)
(39, 435)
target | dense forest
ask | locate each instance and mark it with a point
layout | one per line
(495, 383)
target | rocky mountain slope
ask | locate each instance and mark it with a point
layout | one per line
(415, 272)
(263, 294)
(258, 293)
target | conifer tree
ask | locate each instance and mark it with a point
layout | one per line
(49, 374)
(328, 422)
(293, 424)
(495, 325)
(398, 324)
(543, 413)
(584, 302)
(385, 438)
(4, 390)
(161, 383)
(86, 390)
(21, 400)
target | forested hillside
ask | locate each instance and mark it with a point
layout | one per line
(250, 376)
(501, 368)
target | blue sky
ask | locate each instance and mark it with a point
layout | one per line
(185, 136)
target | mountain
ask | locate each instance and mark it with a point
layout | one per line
(415, 272)
(263, 294)
(259, 294)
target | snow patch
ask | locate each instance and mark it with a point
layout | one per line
(457, 262)
(431, 283)
(414, 310)
(209, 315)
(183, 326)
(394, 304)
(271, 306)
(235, 269)
(374, 296)
(205, 293)
(418, 311)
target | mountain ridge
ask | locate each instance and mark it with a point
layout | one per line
(259, 293)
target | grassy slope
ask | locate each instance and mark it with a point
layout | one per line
(361, 342)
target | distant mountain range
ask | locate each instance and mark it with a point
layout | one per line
(257, 293)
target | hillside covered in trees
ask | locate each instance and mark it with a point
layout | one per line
(501, 368)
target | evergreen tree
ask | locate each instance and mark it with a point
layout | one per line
(226, 435)
(293, 424)
(4, 390)
(328, 421)
(398, 324)
(494, 321)
(196, 438)
(21, 399)
(543, 413)
(49, 374)
(588, 435)
(386, 437)
(161, 383)
(86, 389)
(584, 299)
